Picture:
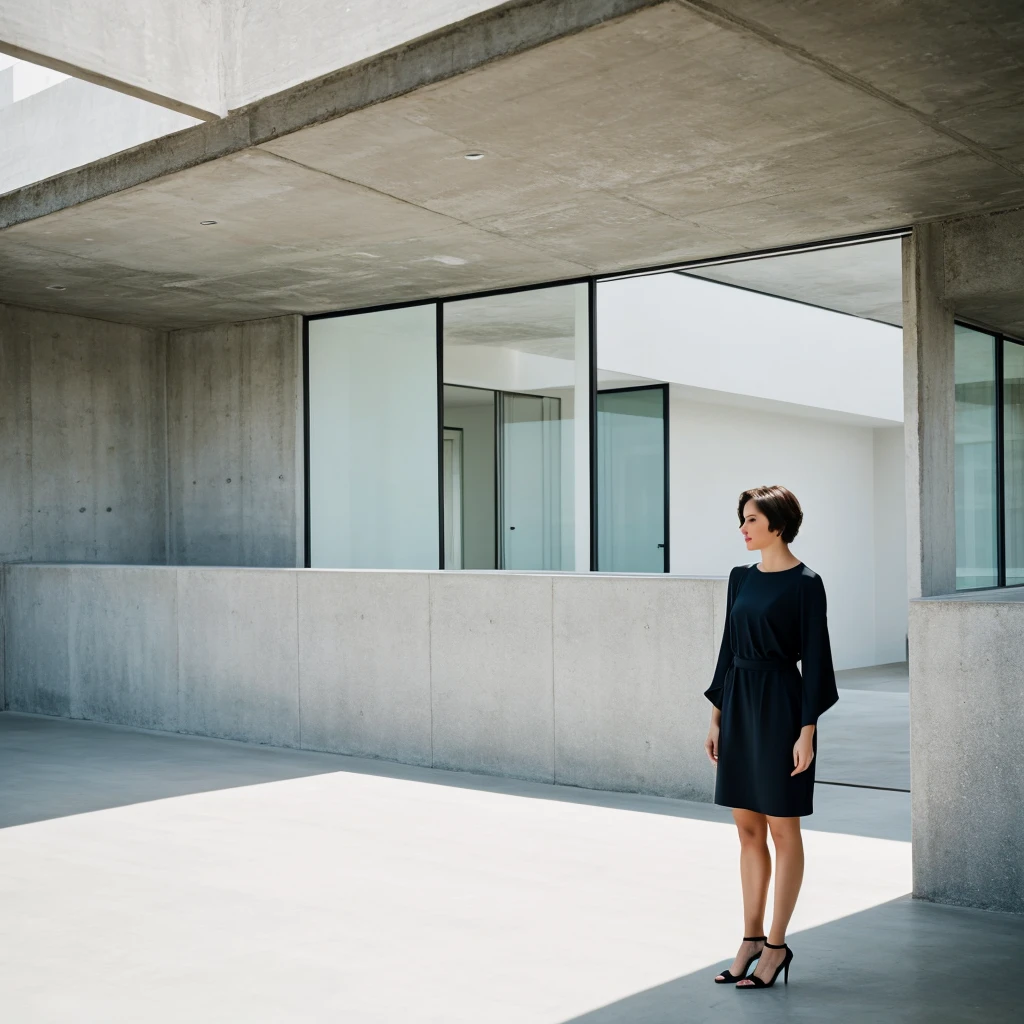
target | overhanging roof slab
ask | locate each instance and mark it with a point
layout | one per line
(666, 134)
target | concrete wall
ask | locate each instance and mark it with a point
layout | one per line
(72, 124)
(235, 444)
(586, 681)
(967, 761)
(850, 486)
(82, 439)
(122, 444)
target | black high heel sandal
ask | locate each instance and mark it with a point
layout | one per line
(756, 982)
(727, 977)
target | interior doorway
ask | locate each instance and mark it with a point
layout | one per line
(454, 499)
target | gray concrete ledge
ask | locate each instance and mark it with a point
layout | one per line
(967, 763)
(548, 678)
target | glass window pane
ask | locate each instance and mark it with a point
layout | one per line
(631, 480)
(975, 474)
(373, 445)
(517, 385)
(1013, 448)
(639, 336)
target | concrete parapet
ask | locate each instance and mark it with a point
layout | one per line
(632, 658)
(967, 763)
(587, 681)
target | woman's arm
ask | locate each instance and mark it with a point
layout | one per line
(714, 691)
(803, 750)
(711, 743)
(819, 678)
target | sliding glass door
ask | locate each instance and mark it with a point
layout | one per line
(530, 481)
(632, 440)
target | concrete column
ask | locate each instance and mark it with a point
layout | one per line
(928, 379)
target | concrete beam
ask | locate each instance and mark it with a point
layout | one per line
(168, 54)
(928, 379)
(984, 268)
(436, 58)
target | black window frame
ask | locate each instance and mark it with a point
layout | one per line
(591, 281)
(999, 339)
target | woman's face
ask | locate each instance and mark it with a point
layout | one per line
(755, 528)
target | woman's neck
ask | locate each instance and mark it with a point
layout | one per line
(777, 558)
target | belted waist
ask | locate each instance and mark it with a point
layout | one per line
(763, 663)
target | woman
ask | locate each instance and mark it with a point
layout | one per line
(763, 737)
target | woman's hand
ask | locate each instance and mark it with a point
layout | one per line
(711, 744)
(803, 750)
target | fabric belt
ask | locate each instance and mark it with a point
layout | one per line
(763, 663)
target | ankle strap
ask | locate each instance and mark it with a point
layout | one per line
(771, 945)
(754, 938)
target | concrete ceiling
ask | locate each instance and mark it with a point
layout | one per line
(679, 130)
(863, 280)
(541, 321)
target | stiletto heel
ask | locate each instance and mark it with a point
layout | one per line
(727, 977)
(756, 982)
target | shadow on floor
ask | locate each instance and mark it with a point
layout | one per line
(902, 962)
(53, 767)
(865, 739)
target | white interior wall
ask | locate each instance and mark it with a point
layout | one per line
(891, 606)
(717, 451)
(681, 329)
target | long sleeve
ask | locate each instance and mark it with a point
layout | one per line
(819, 678)
(714, 691)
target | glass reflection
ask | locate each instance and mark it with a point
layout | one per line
(516, 386)
(975, 473)
(1013, 454)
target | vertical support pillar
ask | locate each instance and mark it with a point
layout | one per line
(581, 431)
(928, 402)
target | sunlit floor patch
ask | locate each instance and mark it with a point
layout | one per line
(366, 898)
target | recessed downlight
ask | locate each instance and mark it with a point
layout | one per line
(475, 155)
(207, 223)
(56, 288)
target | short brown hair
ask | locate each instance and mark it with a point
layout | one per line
(779, 504)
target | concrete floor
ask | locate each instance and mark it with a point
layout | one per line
(864, 740)
(152, 877)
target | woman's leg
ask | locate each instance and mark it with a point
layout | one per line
(755, 874)
(789, 873)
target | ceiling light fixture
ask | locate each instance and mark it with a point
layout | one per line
(207, 223)
(56, 288)
(475, 156)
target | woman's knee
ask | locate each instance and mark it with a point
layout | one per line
(752, 828)
(785, 832)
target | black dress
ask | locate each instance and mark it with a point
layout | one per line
(773, 620)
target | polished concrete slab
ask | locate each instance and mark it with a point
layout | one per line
(164, 878)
